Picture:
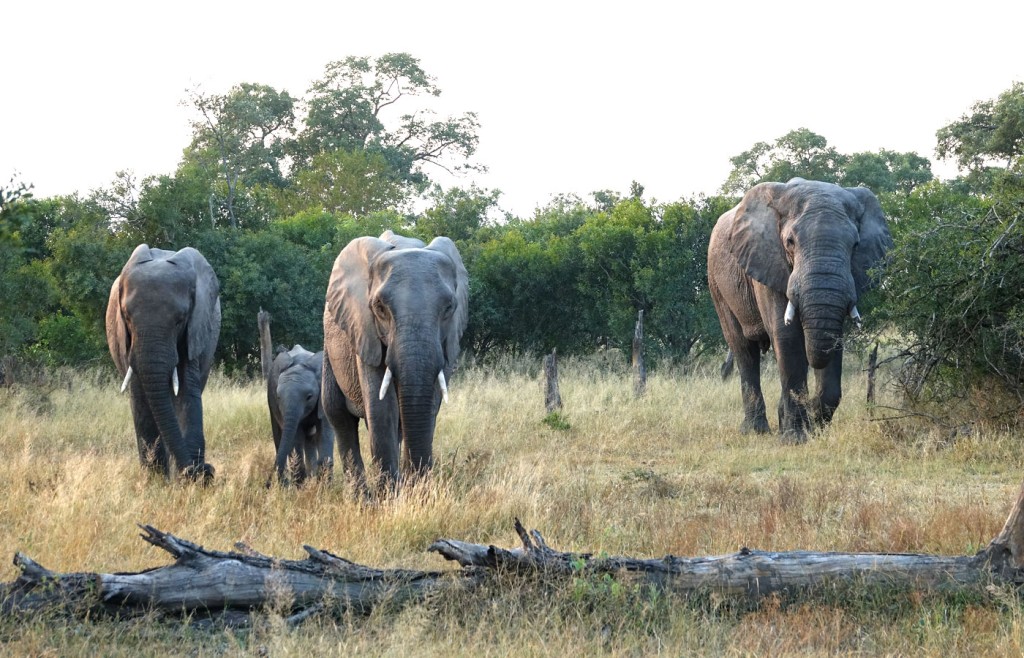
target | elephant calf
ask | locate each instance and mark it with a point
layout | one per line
(296, 415)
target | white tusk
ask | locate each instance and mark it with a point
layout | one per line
(790, 313)
(127, 377)
(443, 385)
(174, 380)
(855, 316)
(384, 384)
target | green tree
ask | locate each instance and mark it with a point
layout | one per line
(347, 108)
(886, 171)
(344, 181)
(456, 213)
(992, 132)
(799, 152)
(241, 135)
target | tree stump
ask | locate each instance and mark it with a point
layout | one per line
(552, 398)
(639, 369)
(266, 346)
(872, 369)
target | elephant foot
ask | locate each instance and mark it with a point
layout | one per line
(200, 473)
(757, 426)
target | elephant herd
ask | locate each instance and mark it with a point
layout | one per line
(786, 266)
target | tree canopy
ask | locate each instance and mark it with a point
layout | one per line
(807, 154)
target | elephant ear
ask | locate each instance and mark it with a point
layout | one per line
(118, 341)
(117, 329)
(754, 239)
(348, 296)
(875, 238)
(460, 318)
(204, 322)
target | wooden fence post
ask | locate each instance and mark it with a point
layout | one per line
(639, 369)
(872, 368)
(266, 348)
(552, 398)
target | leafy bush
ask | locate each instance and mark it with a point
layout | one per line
(955, 291)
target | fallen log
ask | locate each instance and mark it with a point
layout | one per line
(231, 586)
(213, 584)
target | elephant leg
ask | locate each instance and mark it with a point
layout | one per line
(828, 389)
(794, 423)
(748, 361)
(190, 456)
(344, 425)
(322, 440)
(152, 451)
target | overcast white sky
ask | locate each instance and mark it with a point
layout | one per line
(572, 97)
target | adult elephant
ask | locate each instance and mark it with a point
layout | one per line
(296, 415)
(786, 267)
(395, 312)
(163, 321)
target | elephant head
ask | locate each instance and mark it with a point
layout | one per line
(293, 394)
(815, 243)
(163, 321)
(395, 312)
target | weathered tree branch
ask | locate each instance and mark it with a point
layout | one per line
(230, 587)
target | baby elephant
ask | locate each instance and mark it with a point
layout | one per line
(297, 417)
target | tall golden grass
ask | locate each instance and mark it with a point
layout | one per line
(666, 474)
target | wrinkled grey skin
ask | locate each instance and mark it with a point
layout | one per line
(808, 242)
(391, 303)
(296, 416)
(163, 315)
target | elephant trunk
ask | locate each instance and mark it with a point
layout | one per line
(290, 441)
(822, 309)
(418, 413)
(419, 397)
(155, 378)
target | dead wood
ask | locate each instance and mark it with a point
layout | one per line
(208, 583)
(639, 368)
(230, 587)
(266, 345)
(552, 398)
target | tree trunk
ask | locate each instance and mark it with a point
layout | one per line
(230, 587)
(266, 346)
(639, 369)
(552, 398)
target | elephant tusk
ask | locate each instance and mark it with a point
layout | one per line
(127, 377)
(384, 384)
(174, 380)
(855, 316)
(790, 313)
(443, 385)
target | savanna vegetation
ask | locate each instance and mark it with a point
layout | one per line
(272, 186)
(666, 474)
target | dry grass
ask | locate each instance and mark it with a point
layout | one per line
(667, 474)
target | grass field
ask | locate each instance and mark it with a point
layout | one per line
(667, 474)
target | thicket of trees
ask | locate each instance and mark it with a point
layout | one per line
(271, 187)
